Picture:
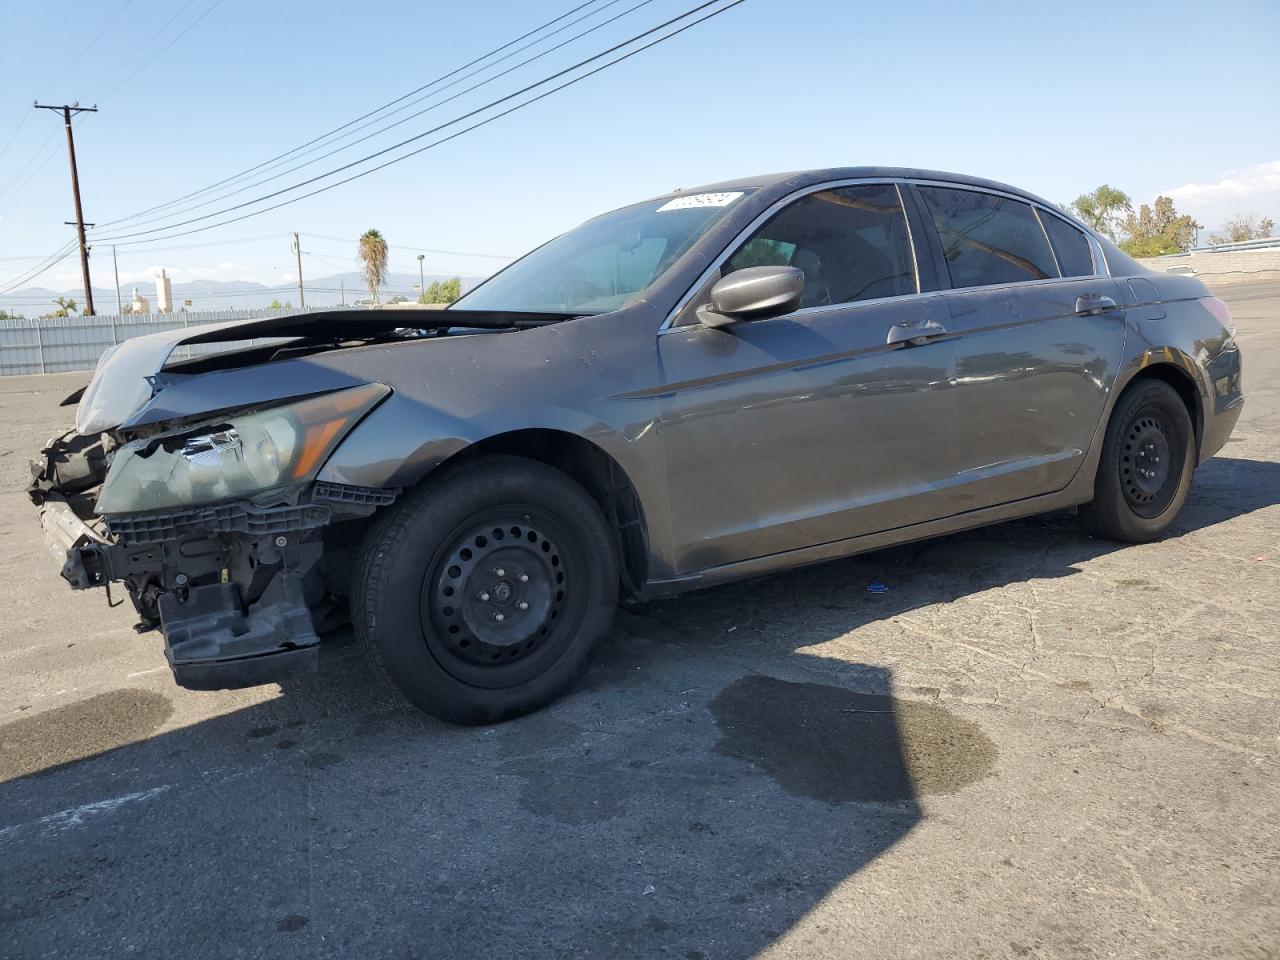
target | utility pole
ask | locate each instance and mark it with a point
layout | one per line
(115, 265)
(342, 288)
(422, 283)
(67, 111)
(297, 249)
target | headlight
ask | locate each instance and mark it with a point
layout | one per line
(242, 455)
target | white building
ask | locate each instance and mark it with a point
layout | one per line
(140, 304)
(164, 293)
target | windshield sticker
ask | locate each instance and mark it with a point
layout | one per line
(700, 200)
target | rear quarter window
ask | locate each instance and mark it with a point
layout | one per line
(1075, 256)
(988, 239)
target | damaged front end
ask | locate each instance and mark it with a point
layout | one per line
(217, 528)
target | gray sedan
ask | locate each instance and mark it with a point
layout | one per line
(709, 385)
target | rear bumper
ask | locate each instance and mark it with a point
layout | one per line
(1226, 400)
(1217, 428)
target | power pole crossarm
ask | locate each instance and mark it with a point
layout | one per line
(67, 111)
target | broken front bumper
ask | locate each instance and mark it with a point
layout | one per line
(233, 587)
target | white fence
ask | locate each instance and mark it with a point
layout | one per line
(58, 344)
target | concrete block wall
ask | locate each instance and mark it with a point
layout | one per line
(1226, 267)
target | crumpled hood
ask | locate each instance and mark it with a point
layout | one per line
(124, 380)
(121, 381)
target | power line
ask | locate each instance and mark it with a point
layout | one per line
(400, 122)
(91, 43)
(4, 191)
(405, 246)
(49, 262)
(442, 140)
(365, 116)
(119, 66)
(217, 243)
(191, 26)
(65, 70)
(146, 43)
(60, 255)
(13, 136)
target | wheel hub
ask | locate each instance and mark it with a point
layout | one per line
(1146, 465)
(495, 594)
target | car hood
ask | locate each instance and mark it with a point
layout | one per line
(126, 377)
(122, 382)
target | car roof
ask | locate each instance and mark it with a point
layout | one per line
(798, 179)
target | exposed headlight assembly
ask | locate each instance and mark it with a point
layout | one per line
(240, 456)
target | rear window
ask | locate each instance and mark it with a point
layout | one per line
(988, 239)
(1071, 245)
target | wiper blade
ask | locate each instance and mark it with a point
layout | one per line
(492, 318)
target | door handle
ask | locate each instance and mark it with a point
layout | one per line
(915, 332)
(1093, 304)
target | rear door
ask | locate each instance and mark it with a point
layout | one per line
(1038, 336)
(811, 427)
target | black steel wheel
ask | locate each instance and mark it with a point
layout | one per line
(480, 595)
(499, 600)
(1147, 462)
(1148, 473)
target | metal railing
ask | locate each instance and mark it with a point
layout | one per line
(62, 344)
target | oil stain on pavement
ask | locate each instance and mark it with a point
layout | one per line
(79, 730)
(838, 746)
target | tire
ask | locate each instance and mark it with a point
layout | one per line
(1148, 459)
(480, 595)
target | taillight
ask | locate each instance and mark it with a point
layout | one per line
(1221, 312)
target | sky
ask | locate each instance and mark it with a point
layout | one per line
(1152, 97)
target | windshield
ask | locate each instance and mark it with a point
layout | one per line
(604, 263)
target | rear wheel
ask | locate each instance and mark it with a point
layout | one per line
(1148, 458)
(480, 595)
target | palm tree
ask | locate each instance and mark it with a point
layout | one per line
(372, 253)
(66, 306)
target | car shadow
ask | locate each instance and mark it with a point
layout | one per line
(705, 786)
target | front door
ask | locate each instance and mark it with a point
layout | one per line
(812, 427)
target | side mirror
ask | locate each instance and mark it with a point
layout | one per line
(753, 293)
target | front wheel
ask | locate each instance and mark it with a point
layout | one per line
(480, 595)
(1148, 458)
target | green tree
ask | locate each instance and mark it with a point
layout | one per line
(66, 306)
(442, 291)
(277, 305)
(5, 315)
(372, 254)
(1240, 228)
(1100, 208)
(759, 252)
(1157, 230)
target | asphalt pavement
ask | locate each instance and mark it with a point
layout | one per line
(1031, 744)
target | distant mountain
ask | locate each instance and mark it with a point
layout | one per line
(229, 294)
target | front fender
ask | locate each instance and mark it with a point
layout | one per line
(404, 439)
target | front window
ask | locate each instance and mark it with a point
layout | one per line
(603, 264)
(851, 243)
